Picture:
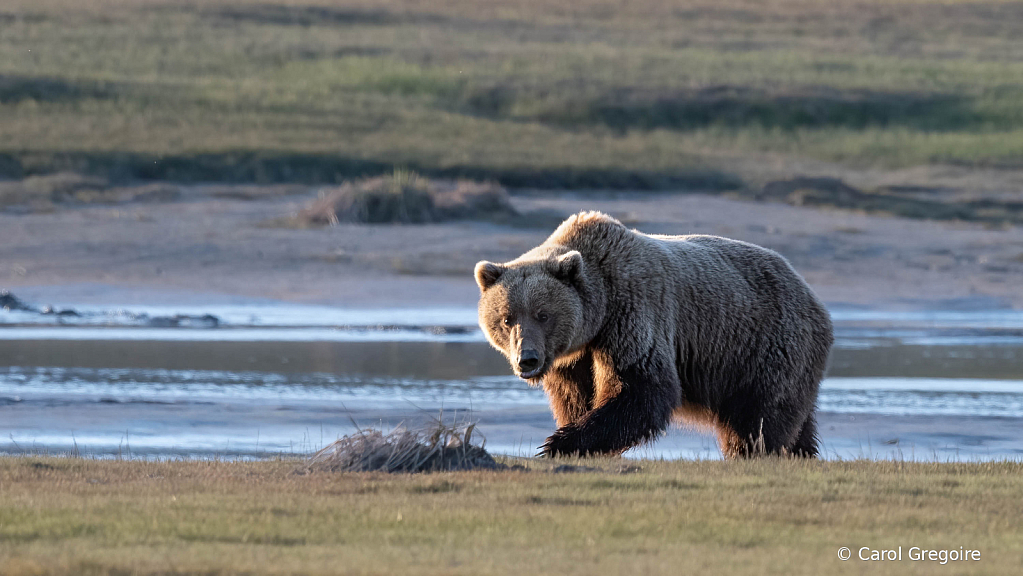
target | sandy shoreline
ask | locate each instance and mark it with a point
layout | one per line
(206, 249)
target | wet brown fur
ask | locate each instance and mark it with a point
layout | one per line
(634, 329)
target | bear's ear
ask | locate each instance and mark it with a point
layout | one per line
(487, 274)
(569, 266)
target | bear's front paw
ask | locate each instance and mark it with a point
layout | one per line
(564, 442)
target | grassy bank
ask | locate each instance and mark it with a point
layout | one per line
(642, 94)
(74, 516)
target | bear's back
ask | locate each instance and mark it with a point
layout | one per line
(726, 274)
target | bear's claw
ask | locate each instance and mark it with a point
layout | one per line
(564, 442)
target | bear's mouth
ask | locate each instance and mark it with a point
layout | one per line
(534, 373)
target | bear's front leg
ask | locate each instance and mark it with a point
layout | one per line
(641, 409)
(569, 388)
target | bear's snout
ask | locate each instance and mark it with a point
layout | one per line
(529, 362)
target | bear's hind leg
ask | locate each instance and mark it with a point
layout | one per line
(806, 442)
(731, 444)
(749, 438)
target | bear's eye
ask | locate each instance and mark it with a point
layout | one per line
(508, 321)
(542, 316)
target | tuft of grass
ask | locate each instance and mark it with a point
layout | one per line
(45, 192)
(834, 193)
(405, 197)
(440, 447)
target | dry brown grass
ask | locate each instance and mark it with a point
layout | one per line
(46, 192)
(441, 447)
(406, 198)
(893, 201)
(42, 192)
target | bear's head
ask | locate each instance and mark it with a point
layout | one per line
(531, 309)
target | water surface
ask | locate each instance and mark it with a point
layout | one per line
(266, 380)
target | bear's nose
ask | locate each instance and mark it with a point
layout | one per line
(529, 360)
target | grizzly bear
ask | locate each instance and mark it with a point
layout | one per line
(626, 330)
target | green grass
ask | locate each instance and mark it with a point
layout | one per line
(771, 516)
(646, 93)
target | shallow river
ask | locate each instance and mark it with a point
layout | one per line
(263, 380)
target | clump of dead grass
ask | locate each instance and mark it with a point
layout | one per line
(439, 447)
(406, 198)
(825, 192)
(43, 193)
